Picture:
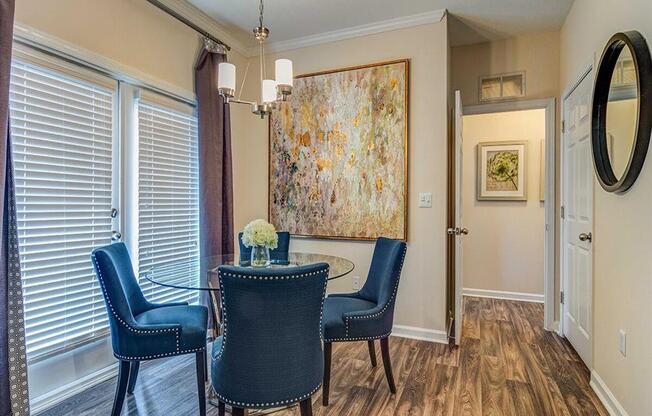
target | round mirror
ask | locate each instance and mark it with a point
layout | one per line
(621, 124)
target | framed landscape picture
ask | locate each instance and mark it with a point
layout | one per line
(502, 171)
(338, 154)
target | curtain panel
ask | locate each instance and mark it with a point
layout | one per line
(14, 397)
(215, 165)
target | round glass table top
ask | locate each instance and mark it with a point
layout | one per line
(183, 274)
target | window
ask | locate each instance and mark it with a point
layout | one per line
(62, 128)
(168, 206)
(69, 177)
(504, 86)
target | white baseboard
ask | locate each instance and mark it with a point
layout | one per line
(56, 396)
(606, 396)
(499, 294)
(422, 334)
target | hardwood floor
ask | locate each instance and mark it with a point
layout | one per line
(506, 365)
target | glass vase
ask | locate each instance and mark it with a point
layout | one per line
(260, 256)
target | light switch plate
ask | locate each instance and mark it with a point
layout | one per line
(425, 200)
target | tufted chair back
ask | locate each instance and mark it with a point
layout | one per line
(270, 352)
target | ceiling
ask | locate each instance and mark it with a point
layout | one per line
(474, 21)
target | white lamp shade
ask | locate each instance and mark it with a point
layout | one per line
(269, 90)
(284, 72)
(226, 76)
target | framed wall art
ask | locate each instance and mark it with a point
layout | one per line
(502, 171)
(338, 154)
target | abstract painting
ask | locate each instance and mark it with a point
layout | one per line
(502, 171)
(338, 154)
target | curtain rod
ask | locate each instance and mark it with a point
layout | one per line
(188, 23)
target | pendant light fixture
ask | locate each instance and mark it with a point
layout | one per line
(272, 91)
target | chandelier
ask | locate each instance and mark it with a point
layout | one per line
(272, 91)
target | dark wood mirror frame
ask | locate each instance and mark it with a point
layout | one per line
(643, 64)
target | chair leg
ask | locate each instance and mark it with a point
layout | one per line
(200, 361)
(221, 409)
(384, 349)
(372, 352)
(306, 407)
(121, 390)
(205, 368)
(328, 351)
(237, 411)
(133, 375)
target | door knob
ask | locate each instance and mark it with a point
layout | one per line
(586, 237)
(464, 231)
(457, 231)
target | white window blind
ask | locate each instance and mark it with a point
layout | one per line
(168, 196)
(62, 129)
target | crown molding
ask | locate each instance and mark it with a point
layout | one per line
(434, 16)
(194, 14)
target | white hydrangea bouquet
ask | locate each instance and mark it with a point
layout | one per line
(260, 236)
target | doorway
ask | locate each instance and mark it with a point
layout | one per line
(492, 219)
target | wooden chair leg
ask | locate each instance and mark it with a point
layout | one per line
(133, 375)
(237, 411)
(306, 407)
(200, 364)
(221, 409)
(384, 349)
(372, 352)
(328, 351)
(206, 373)
(121, 390)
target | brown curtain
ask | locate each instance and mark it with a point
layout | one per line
(215, 166)
(14, 399)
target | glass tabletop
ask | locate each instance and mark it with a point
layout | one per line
(183, 274)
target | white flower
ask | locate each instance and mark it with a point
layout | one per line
(260, 233)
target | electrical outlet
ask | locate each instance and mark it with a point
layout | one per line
(356, 282)
(623, 342)
(425, 200)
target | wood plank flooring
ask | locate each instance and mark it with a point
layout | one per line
(506, 365)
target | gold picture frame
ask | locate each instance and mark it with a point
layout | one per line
(280, 131)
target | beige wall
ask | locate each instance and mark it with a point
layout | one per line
(504, 249)
(536, 54)
(622, 285)
(421, 300)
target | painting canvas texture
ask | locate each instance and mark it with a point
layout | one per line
(502, 171)
(338, 154)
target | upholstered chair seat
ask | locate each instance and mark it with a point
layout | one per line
(142, 330)
(270, 353)
(367, 315)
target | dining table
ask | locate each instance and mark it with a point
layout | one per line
(200, 274)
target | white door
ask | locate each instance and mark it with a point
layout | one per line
(459, 231)
(577, 222)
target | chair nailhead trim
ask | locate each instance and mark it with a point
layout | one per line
(358, 338)
(267, 404)
(389, 302)
(129, 327)
(149, 357)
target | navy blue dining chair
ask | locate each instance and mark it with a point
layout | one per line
(141, 330)
(270, 353)
(280, 253)
(368, 314)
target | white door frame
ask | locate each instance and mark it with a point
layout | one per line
(550, 204)
(586, 69)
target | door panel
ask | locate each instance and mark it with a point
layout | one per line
(577, 200)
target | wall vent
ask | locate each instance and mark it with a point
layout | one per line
(502, 86)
